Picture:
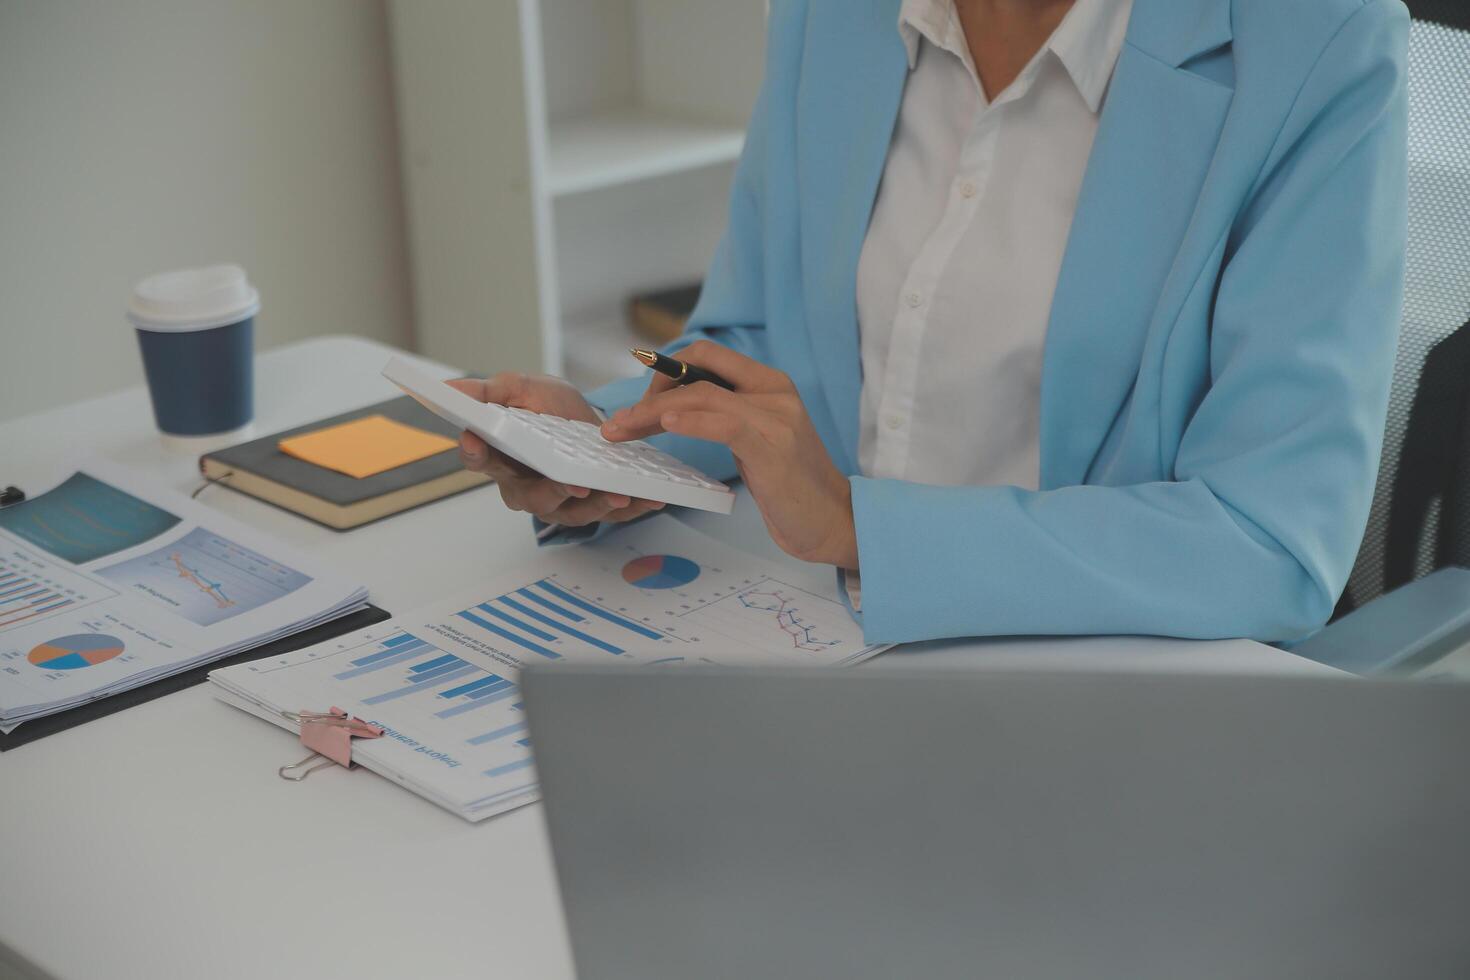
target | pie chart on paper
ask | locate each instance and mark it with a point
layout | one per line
(75, 651)
(660, 572)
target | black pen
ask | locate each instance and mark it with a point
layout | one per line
(683, 374)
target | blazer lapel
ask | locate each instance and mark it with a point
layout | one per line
(853, 75)
(1154, 145)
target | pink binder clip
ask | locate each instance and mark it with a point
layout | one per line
(328, 735)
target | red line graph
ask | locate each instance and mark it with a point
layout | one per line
(211, 589)
(803, 637)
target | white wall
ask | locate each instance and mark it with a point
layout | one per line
(458, 71)
(144, 135)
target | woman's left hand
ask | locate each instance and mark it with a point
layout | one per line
(805, 500)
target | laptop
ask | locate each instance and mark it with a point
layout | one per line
(935, 824)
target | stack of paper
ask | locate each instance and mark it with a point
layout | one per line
(108, 582)
(442, 681)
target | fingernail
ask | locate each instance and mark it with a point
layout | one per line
(610, 426)
(669, 419)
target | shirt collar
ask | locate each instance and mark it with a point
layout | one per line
(1087, 42)
(924, 19)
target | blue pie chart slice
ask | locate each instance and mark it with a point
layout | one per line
(660, 572)
(76, 651)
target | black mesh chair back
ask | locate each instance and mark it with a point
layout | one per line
(1420, 519)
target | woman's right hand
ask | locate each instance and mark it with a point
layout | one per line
(521, 487)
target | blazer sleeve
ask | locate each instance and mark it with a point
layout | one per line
(1259, 528)
(731, 308)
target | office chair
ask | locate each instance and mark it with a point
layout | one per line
(1407, 601)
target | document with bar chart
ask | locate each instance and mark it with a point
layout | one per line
(108, 582)
(442, 680)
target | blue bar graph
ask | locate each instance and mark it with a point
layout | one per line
(448, 658)
(414, 686)
(595, 610)
(478, 693)
(508, 767)
(426, 675)
(480, 699)
(546, 603)
(473, 686)
(385, 659)
(392, 656)
(573, 633)
(519, 726)
(401, 639)
(524, 741)
(521, 625)
(488, 626)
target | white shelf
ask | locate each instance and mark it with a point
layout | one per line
(596, 350)
(625, 145)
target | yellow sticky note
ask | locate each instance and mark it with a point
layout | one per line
(365, 446)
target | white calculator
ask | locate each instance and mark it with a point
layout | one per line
(564, 450)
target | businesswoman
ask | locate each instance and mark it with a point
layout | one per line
(1048, 316)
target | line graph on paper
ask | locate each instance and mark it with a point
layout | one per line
(197, 578)
(205, 578)
(785, 611)
(796, 620)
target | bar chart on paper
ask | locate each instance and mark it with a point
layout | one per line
(32, 588)
(546, 618)
(658, 608)
(443, 680)
(464, 710)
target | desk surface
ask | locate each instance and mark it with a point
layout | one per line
(159, 842)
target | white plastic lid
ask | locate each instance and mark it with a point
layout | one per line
(193, 299)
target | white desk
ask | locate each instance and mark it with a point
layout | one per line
(158, 842)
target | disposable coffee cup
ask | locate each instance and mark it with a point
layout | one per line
(196, 333)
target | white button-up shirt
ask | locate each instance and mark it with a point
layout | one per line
(957, 271)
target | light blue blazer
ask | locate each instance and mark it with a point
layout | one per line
(1217, 364)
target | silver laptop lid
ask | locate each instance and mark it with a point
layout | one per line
(988, 824)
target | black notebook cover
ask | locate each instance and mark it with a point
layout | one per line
(263, 457)
(102, 707)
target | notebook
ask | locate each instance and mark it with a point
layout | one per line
(261, 469)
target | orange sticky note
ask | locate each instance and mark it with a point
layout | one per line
(365, 446)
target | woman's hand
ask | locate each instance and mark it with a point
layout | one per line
(521, 487)
(805, 500)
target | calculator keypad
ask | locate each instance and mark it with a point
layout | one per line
(583, 441)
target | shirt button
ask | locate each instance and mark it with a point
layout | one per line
(967, 189)
(914, 299)
(895, 421)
